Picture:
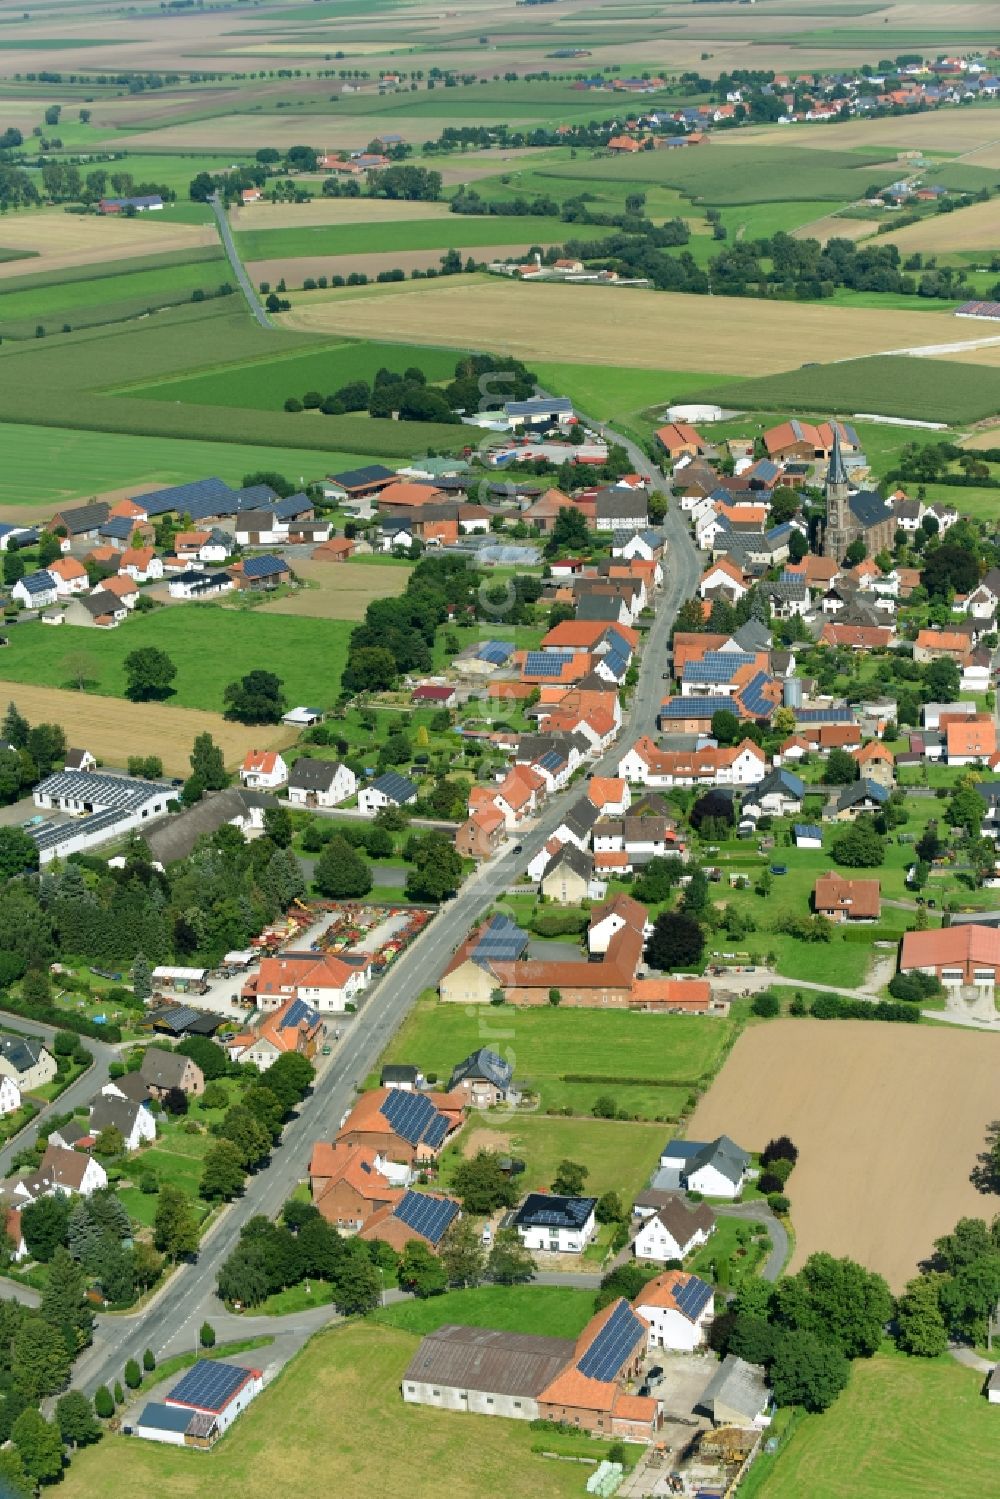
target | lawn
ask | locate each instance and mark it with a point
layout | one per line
(725, 1260)
(605, 392)
(923, 389)
(334, 1422)
(619, 1157)
(548, 1311)
(79, 464)
(264, 383)
(649, 1063)
(210, 646)
(903, 1426)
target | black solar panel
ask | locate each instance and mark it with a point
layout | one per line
(414, 1117)
(501, 940)
(613, 1344)
(693, 1298)
(546, 663)
(208, 1385)
(429, 1216)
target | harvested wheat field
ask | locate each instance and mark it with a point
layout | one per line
(942, 130)
(113, 729)
(595, 324)
(61, 240)
(344, 591)
(888, 1119)
(975, 228)
(831, 226)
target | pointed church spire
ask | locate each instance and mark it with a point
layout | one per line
(836, 473)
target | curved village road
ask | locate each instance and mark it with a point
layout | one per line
(179, 1308)
(80, 1091)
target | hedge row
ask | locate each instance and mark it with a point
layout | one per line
(62, 1020)
(625, 1082)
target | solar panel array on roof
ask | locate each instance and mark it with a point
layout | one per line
(208, 1385)
(110, 797)
(692, 1298)
(298, 1013)
(292, 505)
(552, 760)
(395, 786)
(717, 666)
(429, 1216)
(695, 707)
(823, 715)
(613, 1344)
(616, 660)
(501, 939)
(264, 567)
(494, 651)
(414, 1117)
(754, 696)
(546, 663)
(202, 497)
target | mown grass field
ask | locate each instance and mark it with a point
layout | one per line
(546, 1311)
(903, 1426)
(343, 590)
(334, 1421)
(619, 1156)
(605, 392)
(210, 646)
(264, 384)
(924, 389)
(81, 463)
(648, 1063)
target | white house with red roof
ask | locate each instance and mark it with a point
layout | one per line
(263, 770)
(70, 576)
(678, 1309)
(326, 982)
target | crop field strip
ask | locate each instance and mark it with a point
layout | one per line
(465, 231)
(105, 724)
(137, 351)
(645, 329)
(923, 389)
(912, 1103)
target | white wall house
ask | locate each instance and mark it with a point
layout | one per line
(558, 1225)
(10, 1096)
(263, 770)
(678, 1310)
(673, 1232)
(320, 783)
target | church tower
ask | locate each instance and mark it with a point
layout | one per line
(839, 530)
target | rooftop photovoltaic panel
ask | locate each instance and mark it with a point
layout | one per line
(501, 939)
(495, 651)
(823, 715)
(692, 1298)
(552, 760)
(695, 707)
(613, 1344)
(414, 1117)
(546, 663)
(263, 567)
(208, 1385)
(298, 1013)
(202, 497)
(754, 699)
(429, 1216)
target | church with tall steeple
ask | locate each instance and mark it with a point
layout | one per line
(861, 515)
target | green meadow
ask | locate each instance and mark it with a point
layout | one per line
(265, 383)
(210, 646)
(463, 231)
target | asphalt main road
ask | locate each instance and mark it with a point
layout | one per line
(239, 270)
(189, 1296)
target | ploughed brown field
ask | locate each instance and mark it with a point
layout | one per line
(113, 729)
(888, 1119)
(600, 324)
